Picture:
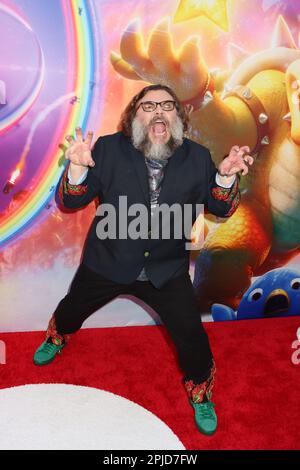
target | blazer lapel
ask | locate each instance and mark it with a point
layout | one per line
(140, 167)
(172, 176)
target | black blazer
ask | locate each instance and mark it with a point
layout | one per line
(189, 177)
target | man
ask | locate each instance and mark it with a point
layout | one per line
(151, 163)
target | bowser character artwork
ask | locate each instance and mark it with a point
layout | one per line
(257, 105)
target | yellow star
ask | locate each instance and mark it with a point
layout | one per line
(215, 10)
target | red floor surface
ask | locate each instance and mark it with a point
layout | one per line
(257, 385)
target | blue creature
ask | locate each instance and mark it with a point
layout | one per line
(275, 294)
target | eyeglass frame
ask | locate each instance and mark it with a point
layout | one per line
(158, 102)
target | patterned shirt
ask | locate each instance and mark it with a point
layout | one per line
(155, 177)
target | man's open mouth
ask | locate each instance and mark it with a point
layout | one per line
(159, 127)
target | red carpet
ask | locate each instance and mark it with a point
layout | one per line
(256, 392)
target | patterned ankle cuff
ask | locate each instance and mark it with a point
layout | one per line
(52, 333)
(196, 391)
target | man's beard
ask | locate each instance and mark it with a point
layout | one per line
(157, 151)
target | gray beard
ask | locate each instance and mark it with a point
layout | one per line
(162, 151)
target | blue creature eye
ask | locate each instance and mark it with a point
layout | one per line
(255, 294)
(295, 283)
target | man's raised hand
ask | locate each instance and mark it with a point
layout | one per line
(236, 161)
(79, 151)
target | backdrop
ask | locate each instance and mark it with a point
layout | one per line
(68, 63)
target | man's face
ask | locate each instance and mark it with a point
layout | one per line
(158, 121)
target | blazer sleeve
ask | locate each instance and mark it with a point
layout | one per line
(74, 196)
(220, 201)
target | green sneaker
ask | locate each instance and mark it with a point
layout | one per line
(205, 417)
(46, 353)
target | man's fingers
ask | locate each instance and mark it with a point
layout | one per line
(79, 137)
(78, 133)
(89, 138)
(241, 153)
(248, 159)
(244, 169)
(245, 149)
(91, 163)
(70, 139)
(235, 148)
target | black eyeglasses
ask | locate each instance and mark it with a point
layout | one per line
(149, 106)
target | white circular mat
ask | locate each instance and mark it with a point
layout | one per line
(60, 416)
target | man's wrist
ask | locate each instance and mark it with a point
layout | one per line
(225, 180)
(76, 173)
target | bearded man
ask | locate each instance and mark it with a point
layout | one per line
(151, 162)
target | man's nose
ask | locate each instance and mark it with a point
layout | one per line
(159, 111)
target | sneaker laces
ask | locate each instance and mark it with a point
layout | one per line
(49, 347)
(56, 341)
(205, 410)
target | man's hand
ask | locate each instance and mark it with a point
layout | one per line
(236, 161)
(79, 152)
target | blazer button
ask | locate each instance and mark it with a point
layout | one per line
(146, 253)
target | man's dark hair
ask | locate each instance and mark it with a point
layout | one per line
(125, 124)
